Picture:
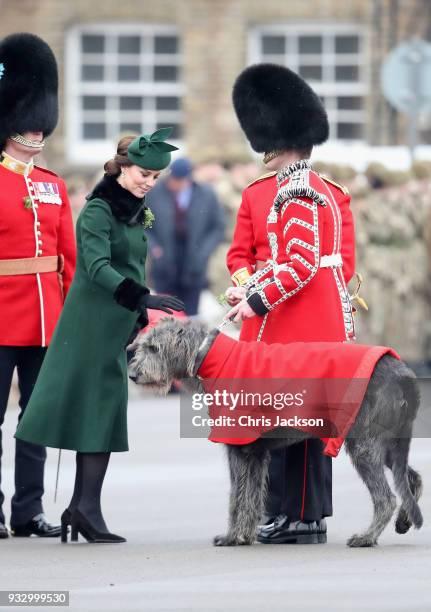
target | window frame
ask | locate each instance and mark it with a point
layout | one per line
(95, 151)
(329, 59)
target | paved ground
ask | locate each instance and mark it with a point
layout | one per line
(169, 497)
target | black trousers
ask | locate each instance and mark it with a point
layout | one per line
(300, 482)
(29, 458)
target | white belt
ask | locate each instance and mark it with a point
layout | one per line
(326, 261)
(329, 261)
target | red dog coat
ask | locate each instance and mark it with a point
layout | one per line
(336, 375)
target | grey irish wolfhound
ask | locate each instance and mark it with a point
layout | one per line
(174, 350)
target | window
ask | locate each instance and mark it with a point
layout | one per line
(331, 58)
(120, 79)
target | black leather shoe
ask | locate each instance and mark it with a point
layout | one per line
(3, 532)
(38, 526)
(283, 531)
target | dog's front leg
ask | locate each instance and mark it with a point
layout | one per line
(248, 466)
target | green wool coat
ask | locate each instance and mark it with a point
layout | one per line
(80, 398)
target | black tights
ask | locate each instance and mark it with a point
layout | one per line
(90, 473)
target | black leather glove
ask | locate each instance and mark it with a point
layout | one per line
(136, 297)
(129, 293)
(167, 303)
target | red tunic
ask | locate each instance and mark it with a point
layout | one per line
(342, 371)
(30, 304)
(305, 301)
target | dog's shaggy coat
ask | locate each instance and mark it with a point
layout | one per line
(380, 436)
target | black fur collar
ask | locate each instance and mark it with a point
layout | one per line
(124, 205)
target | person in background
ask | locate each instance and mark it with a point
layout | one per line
(189, 224)
(37, 254)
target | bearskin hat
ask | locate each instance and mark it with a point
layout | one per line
(28, 86)
(277, 110)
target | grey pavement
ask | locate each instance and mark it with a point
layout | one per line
(168, 497)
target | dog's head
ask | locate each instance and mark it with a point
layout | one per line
(165, 353)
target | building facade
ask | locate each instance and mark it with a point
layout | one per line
(134, 66)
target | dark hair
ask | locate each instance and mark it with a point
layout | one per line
(301, 152)
(113, 166)
(305, 153)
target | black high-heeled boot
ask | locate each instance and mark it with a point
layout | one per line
(80, 524)
(66, 521)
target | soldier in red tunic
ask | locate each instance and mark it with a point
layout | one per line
(291, 258)
(37, 252)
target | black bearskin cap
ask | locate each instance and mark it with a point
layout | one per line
(28, 86)
(277, 110)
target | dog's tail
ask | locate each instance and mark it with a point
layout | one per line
(408, 482)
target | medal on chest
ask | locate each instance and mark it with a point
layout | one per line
(47, 193)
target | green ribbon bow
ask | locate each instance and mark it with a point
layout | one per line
(151, 151)
(157, 140)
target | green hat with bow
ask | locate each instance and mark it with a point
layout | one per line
(151, 151)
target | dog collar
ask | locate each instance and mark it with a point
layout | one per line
(203, 351)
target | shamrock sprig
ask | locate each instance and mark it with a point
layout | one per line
(149, 219)
(221, 299)
(27, 202)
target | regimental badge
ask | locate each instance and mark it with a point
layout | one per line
(47, 193)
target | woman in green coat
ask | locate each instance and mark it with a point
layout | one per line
(80, 398)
